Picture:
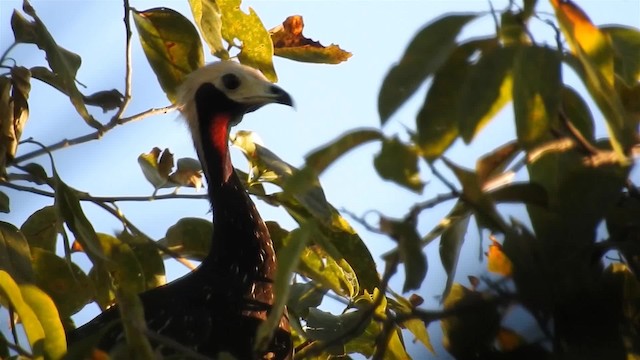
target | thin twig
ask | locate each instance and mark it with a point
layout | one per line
(105, 199)
(94, 135)
(18, 349)
(128, 224)
(6, 52)
(127, 82)
(382, 341)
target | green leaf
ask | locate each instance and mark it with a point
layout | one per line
(398, 162)
(8, 146)
(310, 205)
(37, 171)
(594, 63)
(257, 48)
(476, 199)
(470, 332)
(522, 193)
(494, 163)
(68, 207)
(149, 258)
(40, 229)
(578, 113)
(121, 264)
(21, 87)
(63, 63)
(536, 98)
(32, 327)
(303, 296)
(450, 245)
(426, 53)
(336, 275)
(68, 286)
(189, 237)
(172, 46)
(288, 259)
(626, 46)
(4, 347)
(486, 90)
(55, 343)
(436, 130)
(409, 249)
(4, 203)
(208, 18)
(15, 257)
(320, 159)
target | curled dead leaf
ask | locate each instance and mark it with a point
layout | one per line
(288, 42)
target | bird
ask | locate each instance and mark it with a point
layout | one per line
(217, 307)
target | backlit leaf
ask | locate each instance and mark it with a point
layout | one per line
(189, 237)
(451, 243)
(486, 91)
(15, 257)
(536, 98)
(55, 343)
(419, 330)
(37, 171)
(122, 264)
(207, 15)
(62, 62)
(9, 142)
(288, 42)
(156, 166)
(32, 327)
(105, 99)
(68, 207)
(172, 46)
(426, 53)
(288, 259)
(595, 66)
(398, 162)
(66, 284)
(21, 87)
(40, 228)
(257, 48)
(437, 128)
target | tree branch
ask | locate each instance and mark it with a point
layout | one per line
(94, 135)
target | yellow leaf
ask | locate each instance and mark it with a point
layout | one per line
(585, 37)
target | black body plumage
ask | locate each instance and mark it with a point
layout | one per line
(219, 306)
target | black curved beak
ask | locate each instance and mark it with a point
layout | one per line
(281, 96)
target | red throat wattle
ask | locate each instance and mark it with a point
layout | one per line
(218, 133)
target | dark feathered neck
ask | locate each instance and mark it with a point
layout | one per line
(241, 249)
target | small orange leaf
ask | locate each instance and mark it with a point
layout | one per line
(76, 247)
(508, 340)
(497, 261)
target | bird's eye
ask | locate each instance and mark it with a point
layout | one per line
(230, 81)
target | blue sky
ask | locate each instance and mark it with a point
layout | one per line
(330, 99)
